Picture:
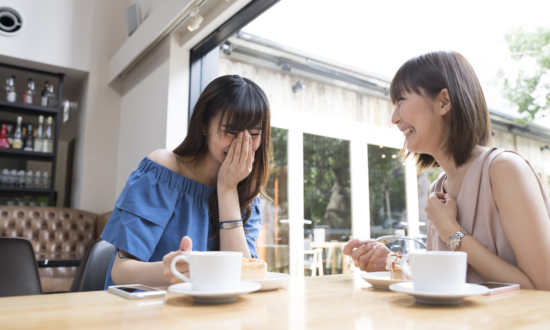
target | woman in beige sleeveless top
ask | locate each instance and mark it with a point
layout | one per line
(489, 202)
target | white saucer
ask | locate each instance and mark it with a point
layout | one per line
(215, 297)
(380, 280)
(273, 281)
(439, 298)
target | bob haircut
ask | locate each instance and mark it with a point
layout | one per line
(243, 105)
(469, 124)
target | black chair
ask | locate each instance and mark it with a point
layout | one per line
(18, 268)
(93, 268)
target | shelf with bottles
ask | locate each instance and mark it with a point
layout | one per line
(21, 140)
(25, 201)
(21, 180)
(27, 94)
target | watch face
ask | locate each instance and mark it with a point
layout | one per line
(453, 244)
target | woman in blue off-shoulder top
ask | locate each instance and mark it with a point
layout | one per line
(187, 199)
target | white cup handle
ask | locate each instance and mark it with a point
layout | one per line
(405, 268)
(175, 271)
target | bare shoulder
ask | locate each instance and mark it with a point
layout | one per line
(165, 158)
(510, 170)
(509, 164)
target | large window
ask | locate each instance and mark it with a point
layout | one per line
(273, 241)
(386, 192)
(327, 196)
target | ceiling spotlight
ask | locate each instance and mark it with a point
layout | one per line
(195, 21)
(298, 86)
(226, 48)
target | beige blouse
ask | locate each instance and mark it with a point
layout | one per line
(477, 212)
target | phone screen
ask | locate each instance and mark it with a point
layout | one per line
(494, 285)
(135, 289)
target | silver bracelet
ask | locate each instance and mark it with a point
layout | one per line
(231, 224)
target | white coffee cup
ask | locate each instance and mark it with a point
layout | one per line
(436, 271)
(215, 271)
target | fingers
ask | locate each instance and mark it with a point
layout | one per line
(350, 246)
(231, 152)
(365, 259)
(362, 250)
(250, 161)
(246, 149)
(186, 244)
(238, 148)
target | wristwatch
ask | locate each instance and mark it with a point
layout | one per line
(453, 242)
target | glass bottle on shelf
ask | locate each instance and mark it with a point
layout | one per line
(45, 180)
(45, 94)
(11, 96)
(4, 142)
(23, 136)
(6, 177)
(13, 177)
(37, 179)
(47, 141)
(17, 141)
(52, 100)
(9, 130)
(29, 141)
(28, 97)
(20, 182)
(38, 145)
(29, 179)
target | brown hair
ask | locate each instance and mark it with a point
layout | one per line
(243, 105)
(428, 75)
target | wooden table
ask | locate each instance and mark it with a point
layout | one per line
(333, 246)
(328, 302)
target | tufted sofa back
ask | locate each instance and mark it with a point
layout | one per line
(55, 233)
(51, 230)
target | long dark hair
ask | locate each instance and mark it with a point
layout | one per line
(243, 105)
(429, 74)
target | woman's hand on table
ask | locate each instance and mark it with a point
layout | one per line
(370, 257)
(185, 246)
(442, 213)
(238, 162)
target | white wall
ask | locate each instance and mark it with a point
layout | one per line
(79, 35)
(96, 151)
(54, 32)
(144, 111)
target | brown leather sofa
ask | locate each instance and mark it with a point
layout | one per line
(55, 233)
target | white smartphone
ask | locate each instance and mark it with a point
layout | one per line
(495, 287)
(136, 291)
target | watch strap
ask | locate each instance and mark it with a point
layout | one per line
(230, 224)
(458, 237)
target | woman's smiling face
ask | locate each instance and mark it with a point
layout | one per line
(421, 122)
(219, 140)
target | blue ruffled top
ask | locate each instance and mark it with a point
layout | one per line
(157, 208)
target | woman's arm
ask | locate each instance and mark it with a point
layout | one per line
(236, 166)
(524, 219)
(130, 270)
(524, 216)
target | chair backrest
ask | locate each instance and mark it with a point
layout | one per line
(18, 268)
(401, 244)
(94, 266)
(307, 244)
